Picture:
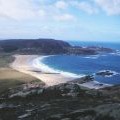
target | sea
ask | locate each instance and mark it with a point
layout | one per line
(88, 64)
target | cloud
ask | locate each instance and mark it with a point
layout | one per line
(12, 9)
(111, 7)
(41, 13)
(85, 6)
(64, 17)
(19, 9)
(49, 9)
(34, 10)
(61, 5)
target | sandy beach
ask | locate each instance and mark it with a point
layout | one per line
(23, 63)
(26, 64)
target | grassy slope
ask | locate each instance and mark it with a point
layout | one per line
(10, 78)
(5, 59)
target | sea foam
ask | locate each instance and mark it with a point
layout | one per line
(38, 63)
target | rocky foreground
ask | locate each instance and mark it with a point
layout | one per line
(69, 101)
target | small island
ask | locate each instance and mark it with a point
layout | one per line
(106, 73)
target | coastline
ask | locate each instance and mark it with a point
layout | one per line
(29, 64)
(95, 85)
(38, 64)
(23, 63)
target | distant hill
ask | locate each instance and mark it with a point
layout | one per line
(47, 46)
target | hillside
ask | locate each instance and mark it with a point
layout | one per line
(67, 101)
(47, 46)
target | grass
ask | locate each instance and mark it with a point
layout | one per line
(5, 59)
(10, 78)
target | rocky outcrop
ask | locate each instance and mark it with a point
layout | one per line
(90, 50)
(61, 102)
(106, 73)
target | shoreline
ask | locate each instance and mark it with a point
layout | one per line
(23, 63)
(37, 63)
(27, 64)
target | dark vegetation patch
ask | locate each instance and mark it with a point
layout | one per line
(47, 46)
(5, 59)
(64, 101)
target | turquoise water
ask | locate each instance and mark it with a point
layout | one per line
(88, 64)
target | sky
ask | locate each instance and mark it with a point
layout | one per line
(86, 20)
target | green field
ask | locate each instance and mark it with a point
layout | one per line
(10, 78)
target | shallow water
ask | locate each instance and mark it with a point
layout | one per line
(86, 65)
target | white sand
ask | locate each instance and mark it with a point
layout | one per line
(23, 63)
